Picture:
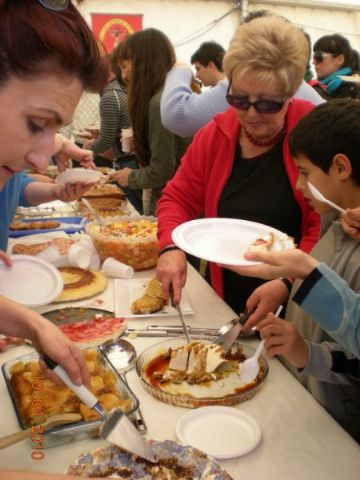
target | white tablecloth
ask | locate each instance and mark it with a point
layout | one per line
(299, 439)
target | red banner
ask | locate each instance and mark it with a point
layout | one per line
(112, 29)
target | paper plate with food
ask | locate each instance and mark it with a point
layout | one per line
(197, 374)
(226, 240)
(174, 461)
(144, 298)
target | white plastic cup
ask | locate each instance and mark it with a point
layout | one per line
(50, 254)
(79, 257)
(94, 261)
(127, 135)
(86, 242)
(113, 268)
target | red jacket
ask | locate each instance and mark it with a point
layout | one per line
(204, 170)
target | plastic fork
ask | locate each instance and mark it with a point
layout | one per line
(319, 196)
(250, 368)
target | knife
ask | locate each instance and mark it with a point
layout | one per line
(178, 329)
(163, 333)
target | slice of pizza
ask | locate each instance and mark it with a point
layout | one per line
(263, 243)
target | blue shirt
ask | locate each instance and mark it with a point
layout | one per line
(11, 196)
(333, 304)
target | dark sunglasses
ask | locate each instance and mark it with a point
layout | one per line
(56, 5)
(242, 102)
(319, 56)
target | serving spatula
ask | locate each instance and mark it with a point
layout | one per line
(116, 427)
(229, 332)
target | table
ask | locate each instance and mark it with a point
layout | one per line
(300, 440)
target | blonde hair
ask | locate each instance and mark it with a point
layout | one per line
(273, 48)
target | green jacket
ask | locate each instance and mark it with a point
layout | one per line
(166, 151)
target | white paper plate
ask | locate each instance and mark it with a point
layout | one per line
(127, 291)
(82, 134)
(221, 432)
(82, 175)
(224, 240)
(350, 78)
(30, 281)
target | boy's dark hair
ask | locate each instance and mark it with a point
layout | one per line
(209, 52)
(329, 129)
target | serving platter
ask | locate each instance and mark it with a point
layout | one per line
(67, 225)
(76, 431)
(87, 325)
(228, 391)
(127, 291)
(175, 461)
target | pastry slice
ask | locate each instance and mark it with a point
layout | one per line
(263, 243)
(152, 301)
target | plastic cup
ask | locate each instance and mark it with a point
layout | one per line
(79, 257)
(86, 242)
(94, 261)
(127, 139)
(113, 268)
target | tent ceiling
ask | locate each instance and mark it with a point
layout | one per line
(344, 5)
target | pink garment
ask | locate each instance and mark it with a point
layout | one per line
(204, 171)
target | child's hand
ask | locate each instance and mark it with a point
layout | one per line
(350, 221)
(282, 338)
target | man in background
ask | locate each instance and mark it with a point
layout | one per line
(208, 63)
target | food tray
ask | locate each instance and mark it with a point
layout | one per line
(73, 432)
(76, 224)
(184, 398)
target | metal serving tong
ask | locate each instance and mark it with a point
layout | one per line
(116, 427)
(229, 332)
(180, 315)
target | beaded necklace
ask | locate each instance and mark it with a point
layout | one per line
(267, 143)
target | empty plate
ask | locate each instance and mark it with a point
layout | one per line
(30, 281)
(82, 175)
(221, 432)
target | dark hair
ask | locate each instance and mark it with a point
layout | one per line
(329, 129)
(256, 14)
(35, 40)
(337, 45)
(356, 55)
(152, 56)
(209, 52)
(116, 57)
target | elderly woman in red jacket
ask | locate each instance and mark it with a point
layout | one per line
(239, 166)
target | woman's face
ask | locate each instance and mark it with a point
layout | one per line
(31, 112)
(328, 64)
(261, 126)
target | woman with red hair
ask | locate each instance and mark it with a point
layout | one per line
(48, 56)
